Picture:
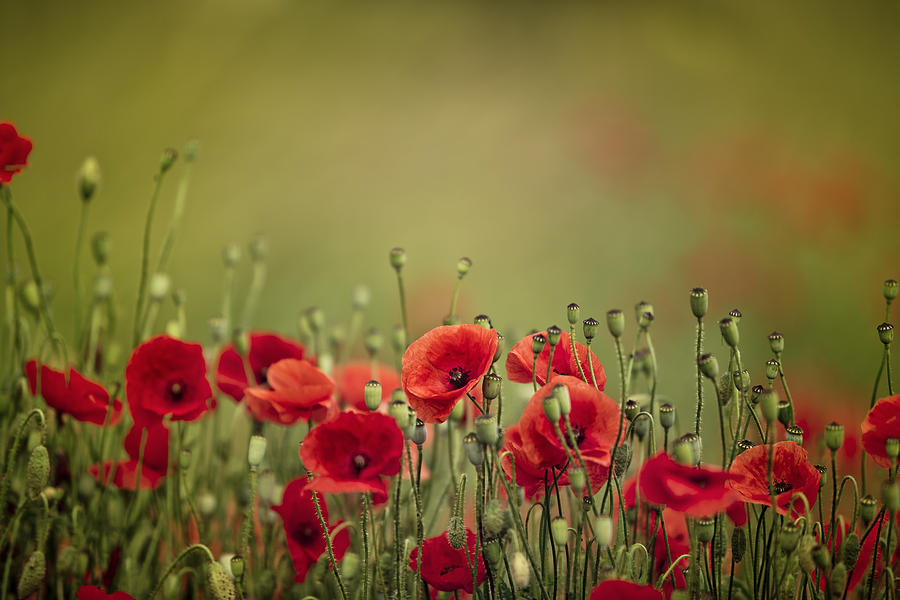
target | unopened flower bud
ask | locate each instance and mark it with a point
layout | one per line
(590, 327)
(886, 333)
(496, 519)
(805, 553)
(850, 549)
(167, 159)
(562, 396)
(185, 459)
(537, 343)
(463, 266)
(372, 394)
(486, 429)
(837, 581)
(490, 386)
(373, 341)
(492, 552)
(615, 322)
(218, 583)
(738, 544)
(730, 332)
(256, 451)
(218, 329)
(705, 529)
(559, 531)
(482, 321)
(576, 479)
(551, 408)
(474, 449)
(890, 289)
(890, 494)
(768, 402)
(789, 536)
(519, 570)
(892, 447)
(709, 366)
(231, 255)
(159, 287)
(398, 258)
(88, 178)
(456, 532)
(666, 415)
(37, 471)
(622, 455)
(553, 335)
(776, 342)
(772, 368)
(100, 246)
(603, 530)
(821, 557)
(834, 436)
(33, 574)
(632, 408)
(699, 301)
(867, 506)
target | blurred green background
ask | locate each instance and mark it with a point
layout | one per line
(601, 153)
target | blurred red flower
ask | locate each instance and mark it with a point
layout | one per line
(154, 467)
(444, 567)
(303, 530)
(295, 390)
(881, 424)
(619, 589)
(791, 473)
(520, 359)
(14, 151)
(82, 398)
(93, 592)
(264, 350)
(167, 377)
(352, 378)
(695, 491)
(529, 475)
(353, 452)
(443, 365)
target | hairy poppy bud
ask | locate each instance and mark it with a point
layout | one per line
(590, 327)
(474, 449)
(834, 436)
(496, 519)
(100, 247)
(37, 471)
(615, 322)
(553, 334)
(551, 408)
(705, 529)
(890, 289)
(850, 549)
(561, 393)
(768, 402)
(456, 532)
(576, 479)
(603, 530)
(666, 415)
(886, 333)
(772, 368)
(837, 580)
(622, 456)
(730, 332)
(372, 394)
(486, 429)
(32, 574)
(350, 565)
(256, 451)
(805, 553)
(519, 570)
(490, 386)
(218, 583)
(88, 178)
(890, 494)
(420, 433)
(463, 266)
(231, 255)
(738, 544)
(776, 342)
(483, 321)
(559, 530)
(699, 301)
(789, 536)
(537, 343)
(573, 313)
(709, 366)
(398, 258)
(867, 506)
(821, 557)
(793, 433)
(492, 552)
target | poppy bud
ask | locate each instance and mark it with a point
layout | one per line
(398, 258)
(551, 408)
(837, 580)
(772, 367)
(705, 530)
(474, 449)
(823, 475)
(804, 553)
(490, 386)
(231, 255)
(789, 536)
(576, 479)
(776, 342)
(31, 295)
(642, 307)
(561, 393)
(537, 343)
(784, 412)
(167, 159)
(236, 563)
(486, 429)
(850, 549)
(451, 320)
(159, 287)
(666, 415)
(892, 447)
(821, 557)
(890, 289)
(709, 366)
(794, 433)
(867, 505)
(735, 314)
(699, 301)
(256, 451)
(632, 408)
(218, 329)
(100, 248)
(768, 402)
(456, 532)
(218, 583)
(483, 321)
(591, 327)
(741, 379)
(410, 430)
(559, 531)
(463, 266)
(738, 544)
(687, 449)
(32, 574)
(886, 333)
(37, 471)
(615, 322)
(492, 552)
(603, 530)
(398, 338)
(184, 459)
(373, 341)
(88, 178)
(622, 456)
(420, 433)
(241, 341)
(730, 332)
(206, 504)
(496, 518)
(499, 352)
(553, 334)
(834, 436)
(372, 394)
(890, 494)
(519, 570)
(573, 313)
(755, 392)
(458, 412)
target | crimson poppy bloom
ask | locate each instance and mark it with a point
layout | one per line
(444, 365)
(82, 398)
(520, 359)
(881, 424)
(14, 151)
(295, 390)
(94, 592)
(529, 475)
(444, 567)
(303, 530)
(695, 491)
(595, 422)
(353, 452)
(166, 376)
(155, 465)
(791, 473)
(263, 350)
(620, 589)
(351, 381)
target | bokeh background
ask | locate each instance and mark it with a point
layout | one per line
(601, 153)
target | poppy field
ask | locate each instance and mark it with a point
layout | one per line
(337, 461)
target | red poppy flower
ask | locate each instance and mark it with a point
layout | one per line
(695, 491)
(791, 473)
(529, 475)
(14, 151)
(444, 567)
(619, 589)
(295, 390)
(353, 452)
(154, 467)
(82, 398)
(352, 378)
(166, 376)
(521, 357)
(881, 424)
(595, 422)
(93, 592)
(264, 350)
(444, 365)
(303, 530)
(816, 404)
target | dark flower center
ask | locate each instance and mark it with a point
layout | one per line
(176, 391)
(457, 377)
(305, 534)
(577, 435)
(262, 375)
(449, 569)
(359, 462)
(782, 487)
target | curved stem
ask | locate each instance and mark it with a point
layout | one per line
(175, 562)
(145, 259)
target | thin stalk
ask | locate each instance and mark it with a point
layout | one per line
(76, 269)
(328, 545)
(402, 305)
(575, 354)
(145, 259)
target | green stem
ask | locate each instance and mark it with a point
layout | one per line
(364, 520)
(175, 222)
(575, 354)
(402, 305)
(328, 545)
(76, 270)
(256, 286)
(699, 376)
(175, 562)
(591, 365)
(145, 259)
(453, 299)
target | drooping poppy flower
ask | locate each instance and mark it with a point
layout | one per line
(294, 390)
(695, 491)
(444, 567)
(82, 398)
(303, 530)
(620, 589)
(263, 350)
(14, 151)
(155, 465)
(94, 592)
(351, 382)
(167, 377)
(520, 359)
(791, 473)
(443, 365)
(881, 424)
(595, 423)
(353, 452)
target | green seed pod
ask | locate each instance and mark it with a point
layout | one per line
(398, 338)
(256, 451)
(705, 529)
(730, 332)
(559, 530)
(483, 321)
(821, 557)
(890, 493)
(642, 307)
(218, 583)
(38, 471)
(411, 420)
(709, 366)
(741, 379)
(456, 532)
(562, 396)
(615, 322)
(867, 506)
(886, 333)
(776, 342)
(490, 386)
(420, 433)
(834, 436)
(772, 368)
(823, 475)
(537, 343)
(686, 449)
(259, 249)
(231, 255)
(736, 315)
(645, 320)
(666, 415)
(738, 544)
(793, 433)
(789, 536)
(499, 352)
(463, 266)
(33, 574)
(850, 549)
(551, 409)
(372, 394)
(398, 258)
(890, 289)
(576, 480)
(350, 565)
(185, 459)
(88, 178)
(486, 429)
(632, 408)
(892, 447)
(167, 159)
(573, 313)
(699, 302)
(474, 449)
(768, 402)
(590, 327)
(399, 411)
(553, 335)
